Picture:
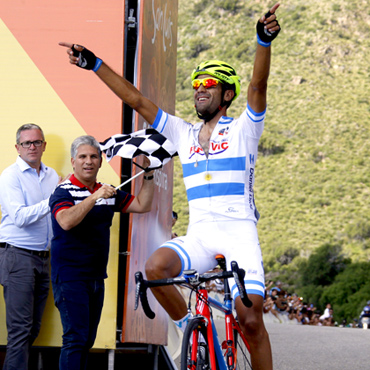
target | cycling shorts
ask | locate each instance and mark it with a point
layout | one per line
(236, 240)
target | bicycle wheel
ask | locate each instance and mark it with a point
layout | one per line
(195, 357)
(242, 358)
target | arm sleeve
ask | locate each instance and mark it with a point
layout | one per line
(171, 127)
(60, 199)
(254, 122)
(123, 200)
(15, 205)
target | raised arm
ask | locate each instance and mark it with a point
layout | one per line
(127, 92)
(267, 29)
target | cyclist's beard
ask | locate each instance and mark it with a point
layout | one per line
(206, 116)
(208, 113)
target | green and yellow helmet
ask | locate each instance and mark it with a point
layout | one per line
(222, 71)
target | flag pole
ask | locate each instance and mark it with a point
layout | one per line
(130, 179)
(124, 183)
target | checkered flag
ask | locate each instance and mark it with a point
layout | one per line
(148, 142)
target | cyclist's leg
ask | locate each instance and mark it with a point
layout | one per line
(170, 260)
(245, 249)
(251, 322)
(165, 263)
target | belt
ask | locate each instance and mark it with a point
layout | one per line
(43, 254)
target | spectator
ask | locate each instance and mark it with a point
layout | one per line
(25, 241)
(365, 309)
(328, 312)
(82, 211)
(269, 306)
(281, 301)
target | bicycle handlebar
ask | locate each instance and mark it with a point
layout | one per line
(192, 278)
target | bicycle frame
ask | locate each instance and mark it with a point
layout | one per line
(204, 314)
(227, 361)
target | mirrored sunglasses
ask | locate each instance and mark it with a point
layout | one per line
(206, 82)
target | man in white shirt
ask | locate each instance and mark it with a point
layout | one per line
(25, 235)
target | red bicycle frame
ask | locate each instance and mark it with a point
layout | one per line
(229, 345)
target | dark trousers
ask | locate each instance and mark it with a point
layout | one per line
(25, 278)
(80, 304)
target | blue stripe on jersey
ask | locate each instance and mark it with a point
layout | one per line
(225, 120)
(179, 255)
(215, 190)
(225, 164)
(250, 291)
(177, 248)
(255, 282)
(255, 117)
(158, 124)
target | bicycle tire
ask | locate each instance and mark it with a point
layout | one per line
(201, 362)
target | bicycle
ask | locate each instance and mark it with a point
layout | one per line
(201, 348)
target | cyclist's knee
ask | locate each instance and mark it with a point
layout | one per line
(251, 325)
(163, 263)
(152, 269)
(251, 320)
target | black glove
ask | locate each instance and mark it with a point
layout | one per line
(263, 33)
(87, 58)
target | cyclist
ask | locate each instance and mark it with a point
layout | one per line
(218, 157)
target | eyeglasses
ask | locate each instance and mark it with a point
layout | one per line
(206, 82)
(27, 144)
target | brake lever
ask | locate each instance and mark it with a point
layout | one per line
(140, 293)
(239, 280)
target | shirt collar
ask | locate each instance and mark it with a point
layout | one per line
(24, 166)
(222, 120)
(78, 183)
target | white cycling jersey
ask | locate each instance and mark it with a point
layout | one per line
(219, 187)
(223, 215)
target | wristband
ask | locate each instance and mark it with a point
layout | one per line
(98, 63)
(262, 43)
(151, 177)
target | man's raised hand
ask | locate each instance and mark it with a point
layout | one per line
(82, 57)
(268, 27)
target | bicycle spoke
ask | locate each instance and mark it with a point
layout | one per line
(242, 354)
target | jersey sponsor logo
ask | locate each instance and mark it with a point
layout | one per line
(196, 149)
(251, 158)
(232, 210)
(250, 183)
(224, 131)
(214, 148)
(219, 147)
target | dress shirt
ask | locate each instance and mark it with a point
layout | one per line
(24, 199)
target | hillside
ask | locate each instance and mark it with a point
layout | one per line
(312, 175)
